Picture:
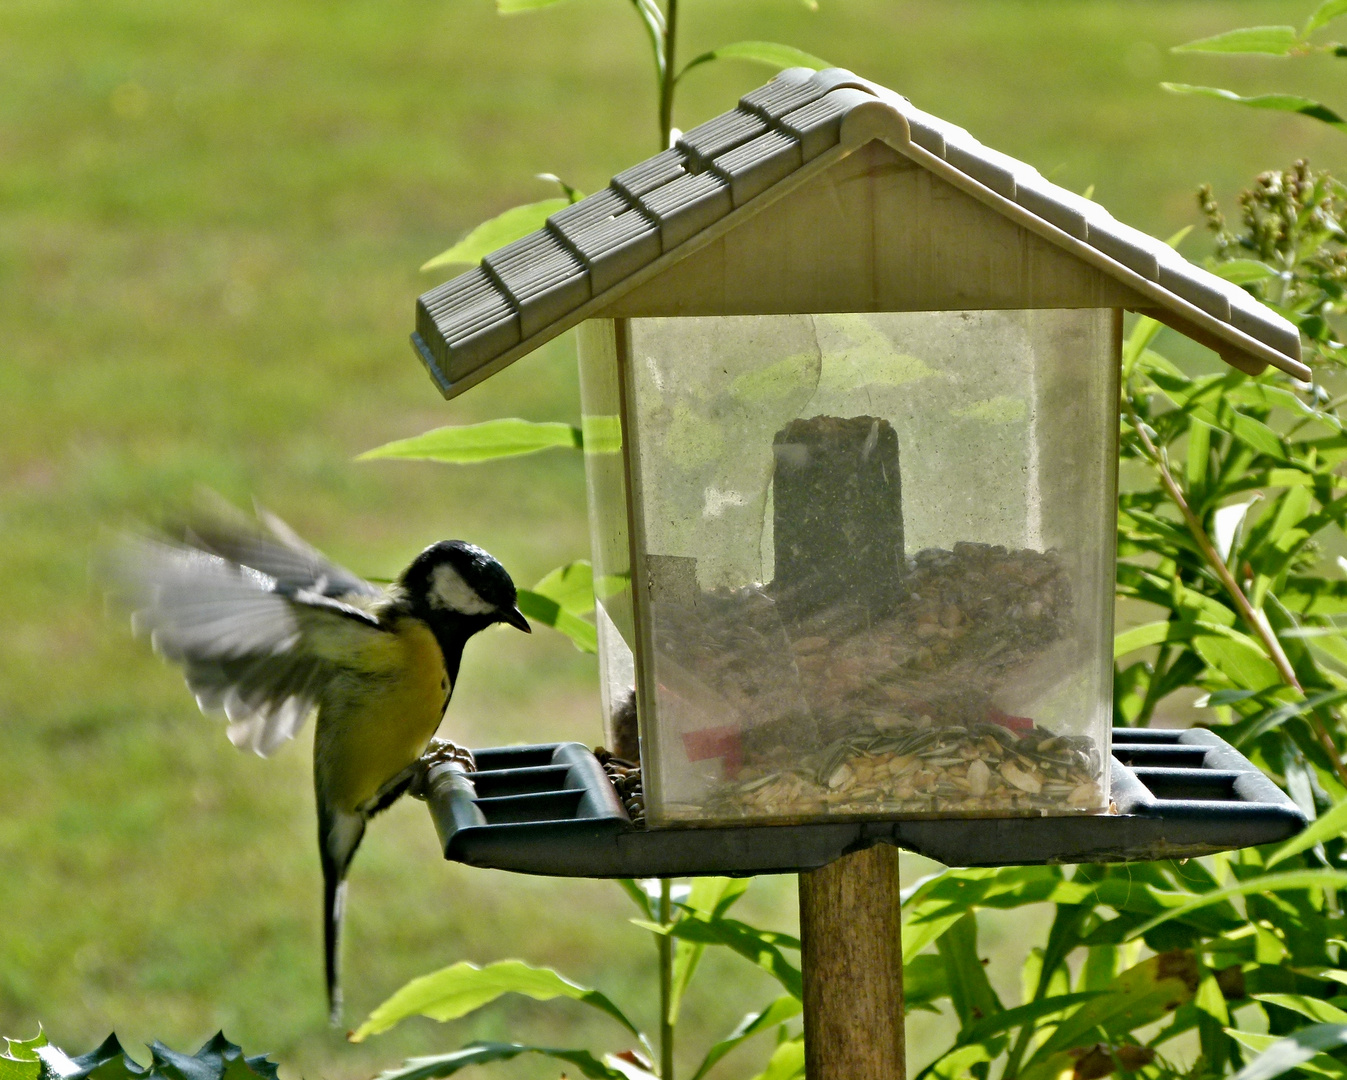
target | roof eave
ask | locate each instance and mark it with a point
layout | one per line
(1240, 350)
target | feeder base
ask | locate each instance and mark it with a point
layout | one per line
(549, 809)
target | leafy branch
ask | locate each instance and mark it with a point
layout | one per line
(1272, 41)
(1252, 618)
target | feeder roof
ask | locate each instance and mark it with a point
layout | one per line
(722, 172)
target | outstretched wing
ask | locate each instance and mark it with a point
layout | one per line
(260, 646)
(268, 544)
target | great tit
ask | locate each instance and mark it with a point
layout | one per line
(267, 630)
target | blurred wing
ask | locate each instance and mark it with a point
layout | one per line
(268, 544)
(248, 645)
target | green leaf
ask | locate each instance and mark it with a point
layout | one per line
(543, 609)
(761, 947)
(1022, 1015)
(1290, 1052)
(462, 988)
(601, 434)
(638, 895)
(10, 1069)
(924, 982)
(1264, 883)
(463, 444)
(506, 228)
(1318, 1065)
(108, 1061)
(1274, 718)
(708, 897)
(571, 586)
(1206, 400)
(1211, 1001)
(1268, 40)
(218, 1059)
(778, 1012)
(958, 1063)
(1242, 662)
(25, 1050)
(787, 1062)
(1243, 271)
(761, 52)
(1153, 633)
(1138, 996)
(1332, 825)
(1324, 14)
(970, 990)
(652, 18)
(1280, 102)
(1312, 1008)
(482, 1053)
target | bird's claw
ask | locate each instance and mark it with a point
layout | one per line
(440, 752)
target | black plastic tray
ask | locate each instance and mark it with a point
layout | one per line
(549, 809)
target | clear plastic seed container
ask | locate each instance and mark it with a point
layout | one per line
(856, 565)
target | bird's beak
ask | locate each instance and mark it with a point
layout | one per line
(515, 618)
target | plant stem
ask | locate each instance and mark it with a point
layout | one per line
(1253, 618)
(670, 79)
(1152, 698)
(666, 948)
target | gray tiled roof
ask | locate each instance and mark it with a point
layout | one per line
(536, 287)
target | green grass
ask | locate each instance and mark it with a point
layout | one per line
(210, 220)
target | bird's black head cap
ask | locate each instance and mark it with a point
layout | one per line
(459, 582)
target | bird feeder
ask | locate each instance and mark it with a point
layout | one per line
(849, 382)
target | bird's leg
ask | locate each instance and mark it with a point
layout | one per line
(440, 752)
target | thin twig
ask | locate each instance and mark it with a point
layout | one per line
(1252, 617)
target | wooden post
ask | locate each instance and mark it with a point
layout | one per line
(853, 968)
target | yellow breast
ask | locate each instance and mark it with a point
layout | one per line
(384, 722)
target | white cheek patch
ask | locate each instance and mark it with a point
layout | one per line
(448, 590)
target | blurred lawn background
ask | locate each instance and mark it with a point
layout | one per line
(210, 221)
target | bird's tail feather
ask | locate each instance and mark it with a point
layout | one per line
(334, 907)
(339, 834)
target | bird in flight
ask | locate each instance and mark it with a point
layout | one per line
(268, 631)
